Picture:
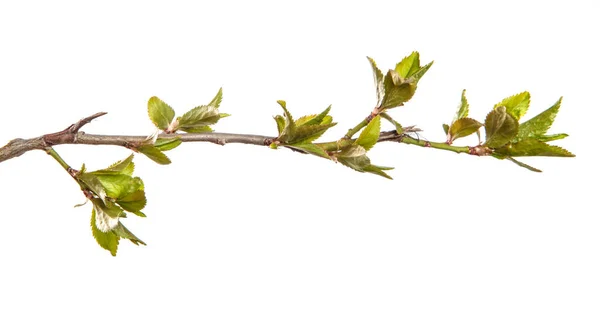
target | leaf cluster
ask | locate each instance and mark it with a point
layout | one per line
(114, 192)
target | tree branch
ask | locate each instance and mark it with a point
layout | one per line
(71, 135)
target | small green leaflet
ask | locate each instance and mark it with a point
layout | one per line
(321, 118)
(537, 126)
(463, 127)
(399, 129)
(308, 133)
(280, 123)
(310, 148)
(500, 127)
(289, 128)
(417, 75)
(123, 232)
(378, 78)
(409, 65)
(154, 154)
(198, 118)
(216, 101)
(532, 147)
(355, 158)
(463, 108)
(165, 144)
(106, 240)
(521, 164)
(124, 167)
(160, 113)
(516, 105)
(370, 134)
(396, 91)
(304, 130)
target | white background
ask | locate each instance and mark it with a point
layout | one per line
(248, 227)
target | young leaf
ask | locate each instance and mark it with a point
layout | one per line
(396, 124)
(419, 73)
(539, 125)
(133, 202)
(370, 134)
(160, 113)
(289, 129)
(123, 232)
(280, 123)
(154, 154)
(355, 158)
(124, 167)
(106, 240)
(310, 148)
(216, 101)
(463, 108)
(199, 117)
(532, 147)
(318, 119)
(378, 78)
(165, 144)
(308, 133)
(446, 128)
(521, 164)
(378, 170)
(409, 65)
(516, 105)
(463, 127)
(396, 91)
(106, 217)
(500, 127)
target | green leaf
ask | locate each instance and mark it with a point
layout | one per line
(311, 149)
(290, 126)
(463, 127)
(165, 144)
(500, 127)
(106, 240)
(463, 108)
(378, 78)
(117, 185)
(446, 128)
(124, 167)
(280, 123)
(216, 101)
(409, 65)
(160, 113)
(396, 91)
(123, 232)
(308, 133)
(378, 170)
(539, 125)
(516, 105)
(315, 119)
(531, 147)
(90, 182)
(417, 75)
(355, 158)
(370, 134)
(223, 115)
(107, 214)
(521, 164)
(396, 124)
(154, 154)
(198, 118)
(133, 202)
